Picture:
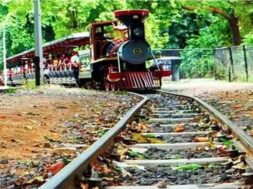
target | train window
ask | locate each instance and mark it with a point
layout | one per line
(98, 30)
(108, 31)
(85, 59)
(104, 32)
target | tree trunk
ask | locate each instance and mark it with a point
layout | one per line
(234, 28)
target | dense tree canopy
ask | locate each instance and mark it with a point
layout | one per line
(171, 24)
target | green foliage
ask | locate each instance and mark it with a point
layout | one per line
(120, 92)
(188, 167)
(102, 131)
(11, 90)
(29, 84)
(248, 38)
(148, 135)
(197, 63)
(135, 154)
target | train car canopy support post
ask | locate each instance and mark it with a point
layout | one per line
(4, 58)
(38, 43)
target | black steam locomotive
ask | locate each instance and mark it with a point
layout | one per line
(124, 56)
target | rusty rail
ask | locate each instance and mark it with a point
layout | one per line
(65, 178)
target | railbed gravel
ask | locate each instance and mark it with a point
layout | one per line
(155, 153)
(216, 174)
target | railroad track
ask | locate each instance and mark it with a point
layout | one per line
(169, 141)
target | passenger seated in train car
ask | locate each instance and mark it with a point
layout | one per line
(75, 62)
(55, 62)
(45, 66)
(67, 63)
(62, 61)
(23, 70)
(50, 66)
(9, 74)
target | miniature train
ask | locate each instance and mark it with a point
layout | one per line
(113, 57)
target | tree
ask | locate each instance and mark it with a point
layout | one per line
(226, 9)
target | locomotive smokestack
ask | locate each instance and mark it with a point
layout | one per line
(128, 17)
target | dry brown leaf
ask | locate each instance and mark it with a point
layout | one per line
(240, 166)
(102, 168)
(65, 151)
(200, 139)
(143, 139)
(179, 128)
(236, 106)
(251, 132)
(108, 178)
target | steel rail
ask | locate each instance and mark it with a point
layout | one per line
(65, 177)
(244, 138)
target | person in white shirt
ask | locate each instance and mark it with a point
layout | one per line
(75, 62)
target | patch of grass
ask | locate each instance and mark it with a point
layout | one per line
(150, 135)
(134, 154)
(11, 90)
(120, 92)
(187, 167)
(29, 84)
(102, 131)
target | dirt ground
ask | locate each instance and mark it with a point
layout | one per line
(35, 124)
(27, 120)
(205, 86)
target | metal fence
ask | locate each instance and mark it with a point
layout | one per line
(235, 63)
(229, 63)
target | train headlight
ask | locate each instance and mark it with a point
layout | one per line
(138, 32)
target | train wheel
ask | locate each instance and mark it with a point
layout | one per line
(46, 79)
(107, 86)
(113, 86)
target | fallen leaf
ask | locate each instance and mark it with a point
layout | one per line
(200, 139)
(162, 183)
(240, 166)
(28, 127)
(142, 139)
(179, 128)
(36, 180)
(64, 151)
(102, 168)
(3, 116)
(187, 167)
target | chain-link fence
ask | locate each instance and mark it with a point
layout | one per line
(234, 63)
(230, 63)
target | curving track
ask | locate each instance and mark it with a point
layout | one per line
(175, 142)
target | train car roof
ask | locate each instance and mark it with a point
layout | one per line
(68, 42)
